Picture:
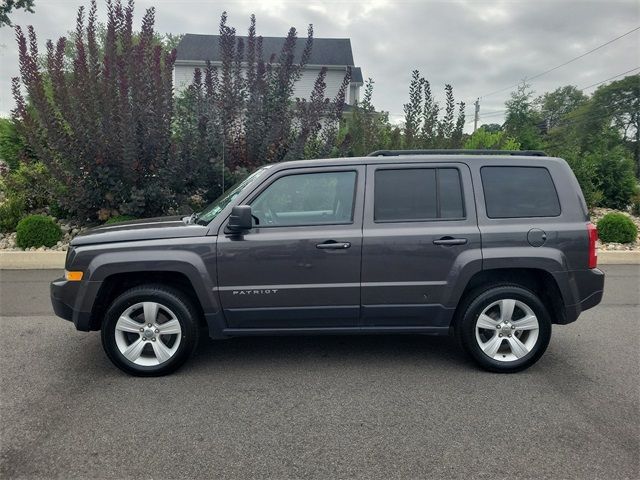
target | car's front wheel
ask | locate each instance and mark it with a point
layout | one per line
(505, 328)
(150, 330)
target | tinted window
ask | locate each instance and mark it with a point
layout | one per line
(415, 194)
(405, 195)
(512, 192)
(450, 193)
(307, 199)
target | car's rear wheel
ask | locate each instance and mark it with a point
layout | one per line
(150, 330)
(505, 328)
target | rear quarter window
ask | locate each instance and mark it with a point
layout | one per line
(519, 192)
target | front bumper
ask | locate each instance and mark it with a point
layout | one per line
(64, 297)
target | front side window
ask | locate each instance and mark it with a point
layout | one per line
(519, 192)
(307, 199)
(227, 197)
(417, 194)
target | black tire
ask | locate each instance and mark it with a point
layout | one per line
(474, 305)
(174, 300)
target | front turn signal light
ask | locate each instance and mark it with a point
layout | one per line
(73, 276)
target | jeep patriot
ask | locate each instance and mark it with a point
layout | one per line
(490, 246)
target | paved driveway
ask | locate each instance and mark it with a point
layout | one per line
(320, 407)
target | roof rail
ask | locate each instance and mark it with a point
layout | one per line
(517, 153)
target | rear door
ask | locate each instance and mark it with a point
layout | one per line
(299, 267)
(421, 243)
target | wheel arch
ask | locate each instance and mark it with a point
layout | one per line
(541, 282)
(115, 284)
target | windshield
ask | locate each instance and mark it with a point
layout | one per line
(225, 199)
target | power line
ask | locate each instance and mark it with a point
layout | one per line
(500, 112)
(490, 114)
(563, 64)
(493, 114)
(610, 78)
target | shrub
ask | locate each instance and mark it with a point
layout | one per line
(635, 204)
(11, 211)
(483, 139)
(12, 144)
(617, 227)
(119, 218)
(37, 231)
(99, 109)
(34, 183)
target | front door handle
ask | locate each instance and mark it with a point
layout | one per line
(450, 241)
(333, 245)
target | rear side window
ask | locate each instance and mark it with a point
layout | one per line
(518, 192)
(417, 194)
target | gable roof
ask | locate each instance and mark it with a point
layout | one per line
(356, 75)
(325, 51)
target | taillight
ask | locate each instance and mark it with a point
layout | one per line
(593, 238)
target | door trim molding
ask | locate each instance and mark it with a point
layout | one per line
(327, 285)
(237, 332)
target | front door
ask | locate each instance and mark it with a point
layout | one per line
(421, 243)
(299, 267)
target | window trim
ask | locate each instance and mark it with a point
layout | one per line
(292, 173)
(438, 205)
(553, 184)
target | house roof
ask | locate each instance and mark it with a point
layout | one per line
(326, 51)
(356, 75)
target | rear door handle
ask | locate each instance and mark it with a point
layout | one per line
(333, 245)
(450, 241)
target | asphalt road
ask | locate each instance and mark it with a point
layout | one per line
(320, 407)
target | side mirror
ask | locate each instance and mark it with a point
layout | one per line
(240, 219)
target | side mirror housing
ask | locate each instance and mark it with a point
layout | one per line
(240, 219)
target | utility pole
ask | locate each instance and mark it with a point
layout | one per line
(477, 115)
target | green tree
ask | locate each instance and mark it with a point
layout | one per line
(523, 120)
(554, 106)
(458, 130)
(618, 104)
(597, 155)
(614, 176)
(412, 111)
(483, 139)
(13, 147)
(492, 127)
(423, 128)
(446, 125)
(365, 130)
(9, 6)
(430, 108)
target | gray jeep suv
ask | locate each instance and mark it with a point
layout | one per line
(493, 247)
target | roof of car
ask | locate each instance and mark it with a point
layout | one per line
(524, 157)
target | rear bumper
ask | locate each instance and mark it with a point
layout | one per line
(63, 299)
(588, 286)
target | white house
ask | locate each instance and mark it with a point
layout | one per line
(334, 53)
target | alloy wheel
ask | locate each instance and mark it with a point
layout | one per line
(148, 334)
(507, 330)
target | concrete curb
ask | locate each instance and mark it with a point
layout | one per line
(17, 260)
(618, 257)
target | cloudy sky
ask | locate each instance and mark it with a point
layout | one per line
(478, 46)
